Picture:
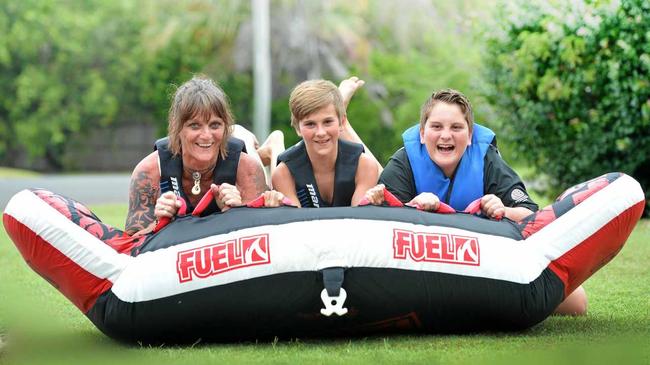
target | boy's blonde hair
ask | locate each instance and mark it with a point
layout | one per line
(312, 95)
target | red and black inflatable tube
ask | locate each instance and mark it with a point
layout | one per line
(257, 273)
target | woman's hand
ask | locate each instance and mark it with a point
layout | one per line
(167, 205)
(375, 195)
(492, 206)
(226, 196)
(425, 201)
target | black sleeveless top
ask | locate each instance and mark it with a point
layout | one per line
(171, 170)
(347, 161)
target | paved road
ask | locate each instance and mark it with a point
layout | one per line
(88, 189)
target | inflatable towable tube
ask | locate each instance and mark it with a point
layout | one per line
(257, 273)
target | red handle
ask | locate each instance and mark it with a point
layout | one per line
(389, 198)
(475, 208)
(363, 201)
(392, 199)
(445, 209)
(162, 222)
(203, 203)
(286, 201)
(259, 202)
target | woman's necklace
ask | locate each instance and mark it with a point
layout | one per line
(196, 176)
(196, 189)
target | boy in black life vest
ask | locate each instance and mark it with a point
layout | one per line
(323, 169)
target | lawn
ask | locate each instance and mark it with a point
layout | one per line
(8, 173)
(39, 325)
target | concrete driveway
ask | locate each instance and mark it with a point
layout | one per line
(88, 189)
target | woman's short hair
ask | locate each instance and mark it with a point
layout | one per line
(449, 96)
(200, 98)
(310, 96)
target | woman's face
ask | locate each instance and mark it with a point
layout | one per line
(446, 136)
(320, 130)
(201, 140)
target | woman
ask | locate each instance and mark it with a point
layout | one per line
(197, 156)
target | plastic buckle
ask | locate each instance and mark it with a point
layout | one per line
(333, 304)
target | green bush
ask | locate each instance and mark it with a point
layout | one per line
(68, 68)
(572, 85)
(65, 69)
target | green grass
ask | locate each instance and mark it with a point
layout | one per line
(8, 172)
(40, 326)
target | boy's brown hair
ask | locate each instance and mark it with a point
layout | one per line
(449, 96)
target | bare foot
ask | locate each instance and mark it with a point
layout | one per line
(265, 155)
(348, 87)
(575, 304)
(249, 139)
(271, 148)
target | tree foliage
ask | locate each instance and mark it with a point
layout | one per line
(64, 68)
(403, 52)
(572, 82)
(71, 67)
(415, 52)
(68, 68)
(182, 39)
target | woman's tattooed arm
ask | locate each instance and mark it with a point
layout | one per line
(143, 193)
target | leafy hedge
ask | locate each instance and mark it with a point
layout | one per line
(71, 67)
(572, 83)
(62, 70)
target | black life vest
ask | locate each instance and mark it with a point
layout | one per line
(171, 170)
(347, 161)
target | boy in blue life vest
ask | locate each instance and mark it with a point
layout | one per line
(449, 158)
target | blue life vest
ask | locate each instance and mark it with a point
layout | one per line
(467, 182)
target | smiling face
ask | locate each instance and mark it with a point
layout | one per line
(446, 135)
(320, 130)
(199, 100)
(200, 140)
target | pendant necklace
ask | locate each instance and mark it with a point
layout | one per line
(196, 189)
(196, 176)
